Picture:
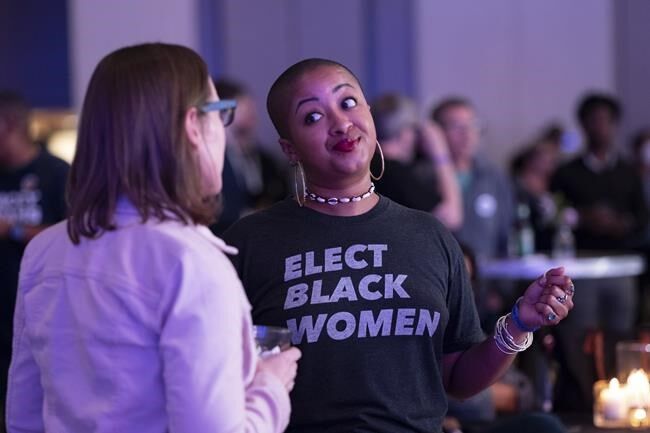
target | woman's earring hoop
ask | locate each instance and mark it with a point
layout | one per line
(299, 177)
(383, 164)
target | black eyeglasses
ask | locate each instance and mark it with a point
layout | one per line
(225, 107)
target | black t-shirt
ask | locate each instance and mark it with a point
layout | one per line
(407, 185)
(373, 301)
(31, 195)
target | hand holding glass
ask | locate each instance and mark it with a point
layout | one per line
(271, 340)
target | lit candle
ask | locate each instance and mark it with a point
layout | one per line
(638, 417)
(638, 389)
(613, 401)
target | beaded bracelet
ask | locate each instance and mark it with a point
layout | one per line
(505, 341)
(517, 321)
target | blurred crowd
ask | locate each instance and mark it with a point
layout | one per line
(559, 197)
(555, 199)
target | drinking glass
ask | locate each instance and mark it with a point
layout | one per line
(271, 339)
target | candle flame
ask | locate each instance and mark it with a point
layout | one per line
(639, 414)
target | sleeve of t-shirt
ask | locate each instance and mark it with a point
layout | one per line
(464, 328)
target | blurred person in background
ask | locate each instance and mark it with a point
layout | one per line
(605, 190)
(607, 193)
(560, 140)
(486, 192)
(32, 197)
(431, 185)
(641, 159)
(252, 178)
(129, 315)
(531, 170)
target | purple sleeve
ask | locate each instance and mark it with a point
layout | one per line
(24, 394)
(209, 364)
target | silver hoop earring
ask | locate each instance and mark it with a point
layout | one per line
(300, 192)
(383, 164)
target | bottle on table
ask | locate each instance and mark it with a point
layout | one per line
(522, 242)
(564, 245)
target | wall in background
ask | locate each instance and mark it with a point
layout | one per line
(390, 47)
(263, 38)
(34, 51)
(371, 37)
(633, 64)
(98, 27)
(522, 63)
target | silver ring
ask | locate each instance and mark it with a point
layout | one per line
(561, 299)
(551, 317)
(542, 280)
(571, 289)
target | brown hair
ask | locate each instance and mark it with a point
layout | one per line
(132, 141)
(438, 112)
(393, 113)
(277, 100)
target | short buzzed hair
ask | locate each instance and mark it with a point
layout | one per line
(439, 110)
(277, 101)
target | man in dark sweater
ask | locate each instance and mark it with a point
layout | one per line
(608, 195)
(606, 190)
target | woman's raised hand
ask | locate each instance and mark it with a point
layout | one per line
(547, 300)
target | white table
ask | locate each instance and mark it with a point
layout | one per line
(579, 268)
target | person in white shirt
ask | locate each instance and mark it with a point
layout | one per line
(129, 315)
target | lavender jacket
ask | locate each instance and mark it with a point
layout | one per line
(146, 329)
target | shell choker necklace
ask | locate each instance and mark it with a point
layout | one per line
(336, 200)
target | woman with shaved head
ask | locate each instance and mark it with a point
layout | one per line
(375, 294)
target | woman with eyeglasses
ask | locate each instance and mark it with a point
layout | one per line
(376, 294)
(130, 317)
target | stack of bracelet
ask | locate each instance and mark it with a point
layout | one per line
(515, 318)
(506, 342)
